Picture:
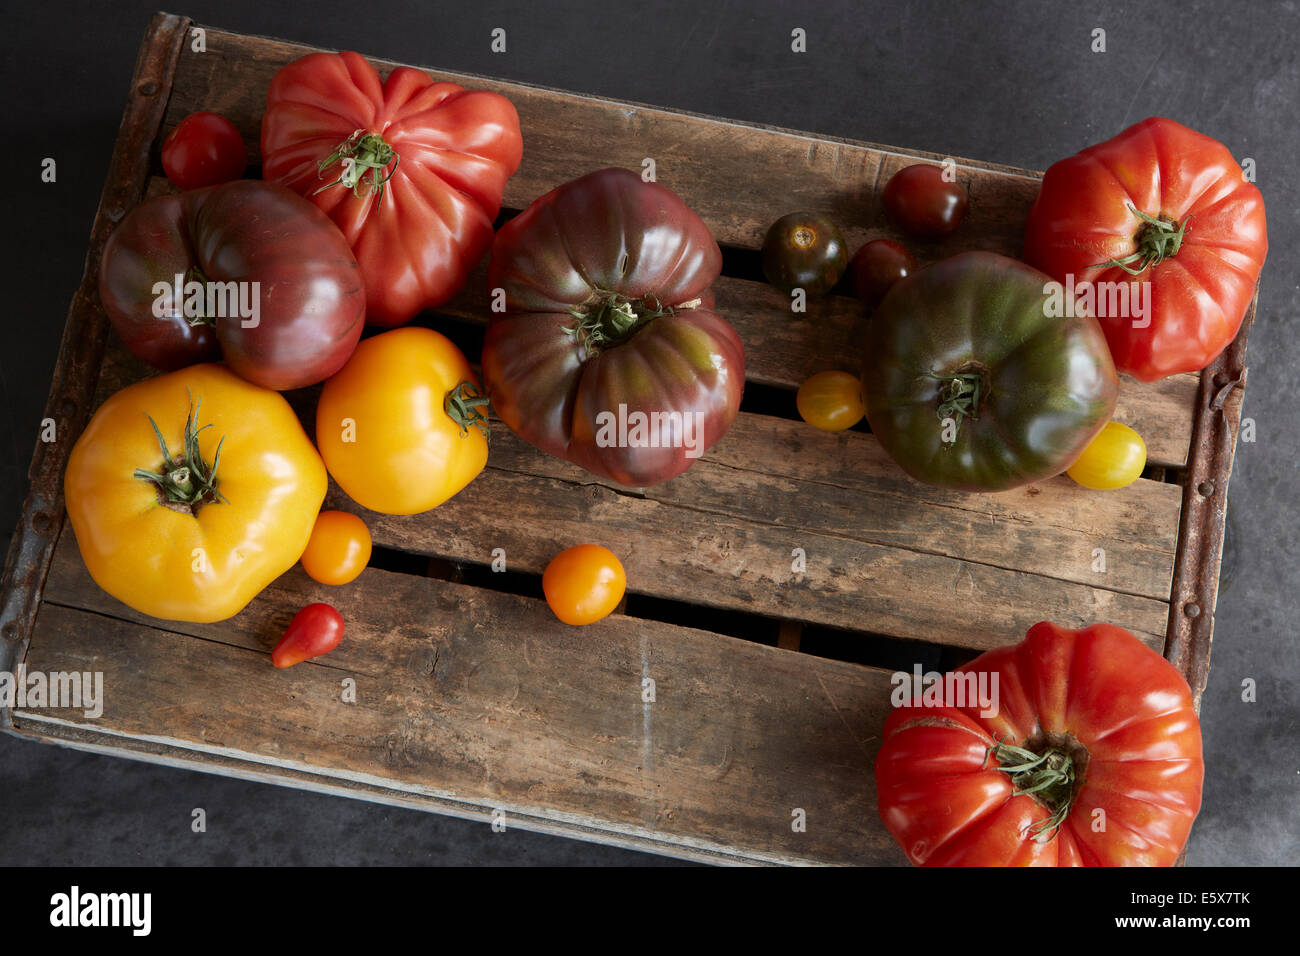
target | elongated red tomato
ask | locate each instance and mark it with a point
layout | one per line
(412, 169)
(1106, 727)
(315, 630)
(1162, 224)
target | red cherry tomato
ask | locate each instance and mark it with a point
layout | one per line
(877, 266)
(205, 149)
(315, 630)
(921, 202)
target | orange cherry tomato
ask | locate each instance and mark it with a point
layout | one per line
(339, 548)
(831, 401)
(584, 583)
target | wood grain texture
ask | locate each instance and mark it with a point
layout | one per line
(883, 552)
(69, 406)
(738, 177)
(486, 701)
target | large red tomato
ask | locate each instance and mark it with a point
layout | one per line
(1101, 722)
(1163, 205)
(412, 170)
(608, 351)
(265, 281)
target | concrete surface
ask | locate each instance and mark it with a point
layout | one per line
(1013, 83)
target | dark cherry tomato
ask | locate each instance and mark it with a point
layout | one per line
(205, 149)
(804, 251)
(877, 266)
(921, 202)
(315, 630)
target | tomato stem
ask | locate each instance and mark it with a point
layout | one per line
(185, 480)
(364, 159)
(610, 318)
(961, 393)
(1052, 777)
(1156, 239)
(463, 405)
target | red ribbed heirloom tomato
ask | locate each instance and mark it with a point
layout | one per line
(608, 352)
(410, 169)
(1100, 722)
(266, 282)
(1159, 204)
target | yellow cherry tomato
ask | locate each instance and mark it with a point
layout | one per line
(1113, 459)
(584, 583)
(387, 426)
(339, 548)
(168, 527)
(831, 401)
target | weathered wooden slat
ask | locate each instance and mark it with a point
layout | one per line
(485, 702)
(68, 406)
(725, 532)
(698, 157)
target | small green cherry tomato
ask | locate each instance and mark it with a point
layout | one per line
(1113, 459)
(831, 401)
(804, 251)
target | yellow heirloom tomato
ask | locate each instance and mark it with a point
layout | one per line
(191, 492)
(401, 427)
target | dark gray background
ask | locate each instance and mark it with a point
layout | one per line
(1013, 83)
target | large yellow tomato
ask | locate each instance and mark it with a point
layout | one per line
(401, 426)
(191, 492)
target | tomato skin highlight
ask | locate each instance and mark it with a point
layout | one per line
(282, 255)
(1114, 459)
(205, 149)
(201, 564)
(315, 630)
(877, 266)
(584, 583)
(1089, 216)
(966, 341)
(804, 250)
(608, 246)
(831, 401)
(339, 549)
(383, 429)
(1121, 709)
(921, 202)
(451, 152)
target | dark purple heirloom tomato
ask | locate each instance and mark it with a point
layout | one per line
(270, 284)
(608, 352)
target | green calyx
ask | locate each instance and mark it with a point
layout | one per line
(185, 481)
(608, 319)
(365, 161)
(465, 406)
(961, 393)
(1052, 777)
(1157, 240)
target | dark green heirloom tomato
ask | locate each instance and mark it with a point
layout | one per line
(608, 352)
(804, 251)
(974, 382)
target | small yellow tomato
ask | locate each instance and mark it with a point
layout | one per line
(1113, 459)
(831, 401)
(402, 426)
(339, 548)
(584, 583)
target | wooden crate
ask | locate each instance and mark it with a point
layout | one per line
(770, 686)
